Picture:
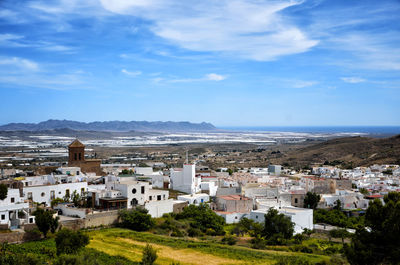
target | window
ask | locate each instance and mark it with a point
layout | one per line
(150, 198)
(31, 220)
(235, 217)
(77, 173)
(75, 156)
(80, 156)
(164, 196)
(158, 197)
(134, 191)
(29, 195)
(3, 217)
(42, 194)
(83, 191)
(142, 188)
(67, 193)
(52, 195)
(256, 216)
(12, 199)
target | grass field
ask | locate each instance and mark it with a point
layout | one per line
(129, 244)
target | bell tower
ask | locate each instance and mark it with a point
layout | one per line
(76, 152)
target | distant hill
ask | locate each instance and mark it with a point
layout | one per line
(349, 151)
(111, 126)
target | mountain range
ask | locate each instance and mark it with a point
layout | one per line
(112, 126)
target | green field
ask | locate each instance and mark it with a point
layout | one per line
(129, 244)
(123, 247)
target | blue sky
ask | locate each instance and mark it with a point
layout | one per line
(228, 62)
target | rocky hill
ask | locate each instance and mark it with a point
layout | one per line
(347, 152)
(111, 126)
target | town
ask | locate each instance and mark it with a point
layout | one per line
(86, 193)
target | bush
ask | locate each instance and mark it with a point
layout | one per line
(70, 242)
(44, 221)
(149, 255)
(203, 218)
(3, 191)
(194, 232)
(230, 240)
(137, 219)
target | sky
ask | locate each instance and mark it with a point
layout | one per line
(228, 62)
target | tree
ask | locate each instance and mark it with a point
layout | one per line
(230, 171)
(379, 243)
(3, 191)
(339, 233)
(203, 218)
(338, 205)
(76, 198)
(70, 242)
(137, 219)
(311, 200)
(44, 221)
(277, 226)
(149, 255)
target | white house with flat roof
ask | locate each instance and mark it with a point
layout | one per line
(195, 199)
(14, 210)
(301, 217)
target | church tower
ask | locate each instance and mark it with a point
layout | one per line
(76, 152)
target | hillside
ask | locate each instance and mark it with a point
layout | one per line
(112, 126)
(349, 151)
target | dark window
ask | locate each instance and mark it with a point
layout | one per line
(12, 199)
(80, 156)
(3, 217)
(158, 197)
(133, 191)
(256, 216)
(77, 173)
(296, 200)
(67, 193)
(31, 220)
(82, 191)
(142, 189)
(150, 198)
(42, 194)
(134, 202)
(75, 156)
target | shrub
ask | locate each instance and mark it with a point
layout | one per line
(70, 242)
(194, 232)
(230, 240)
(137, 219)
(44, 221)
(149, 255)
(3, 191)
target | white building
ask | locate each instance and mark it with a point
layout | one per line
(44, 189)
(184, 179)
(301, 217)
(14, 211)
(195, 199)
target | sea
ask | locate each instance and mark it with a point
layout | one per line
(371, 130)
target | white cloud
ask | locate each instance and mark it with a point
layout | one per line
(207, 77)
(215, 77)
(353, 80)
(20, 63)
(302, 83)
(255, 30)
(132, 74)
